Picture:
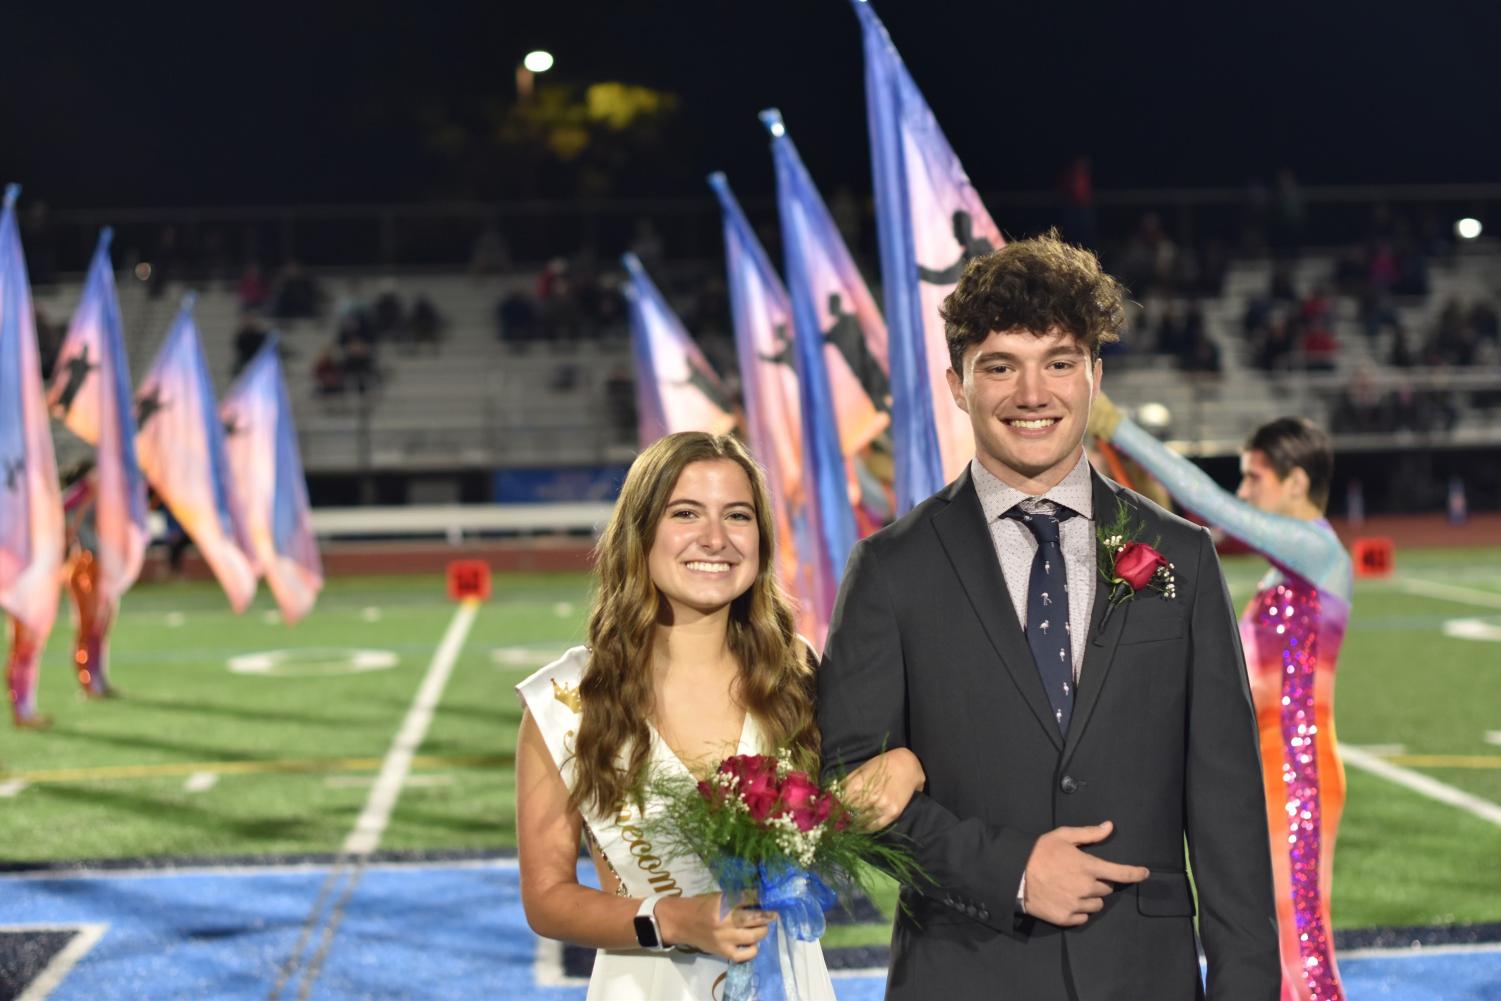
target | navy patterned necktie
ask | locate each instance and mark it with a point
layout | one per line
(1047, 610)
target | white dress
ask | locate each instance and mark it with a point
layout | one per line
(636, 974)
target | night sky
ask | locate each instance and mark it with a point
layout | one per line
(130, 105)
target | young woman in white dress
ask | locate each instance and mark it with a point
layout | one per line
(692, 656)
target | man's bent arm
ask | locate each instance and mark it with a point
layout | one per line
(862, 710)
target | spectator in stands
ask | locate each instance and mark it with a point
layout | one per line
(1361, 408)
(1275, 351)
(388, 317)
(1150, 259)
(252, 288)
(516, 320)
(1381, 266)
(1320, 348)
(357, 342)
(426, 323)
(328, 373)
(297, 295)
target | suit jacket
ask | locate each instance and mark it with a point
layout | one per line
(925, 652)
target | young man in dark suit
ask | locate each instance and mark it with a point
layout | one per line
(1074, 731)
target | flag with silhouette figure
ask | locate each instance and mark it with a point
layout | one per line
(90, 394)
(840, 305)
(676, 388)
(812, 251)
(261, 442)
(762, 316)
(930, 223)
(180, 442)
(31, 506)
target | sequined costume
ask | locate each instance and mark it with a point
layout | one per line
(95, 609)
(1291, 631)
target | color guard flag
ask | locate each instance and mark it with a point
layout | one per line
(773, 416)
(931, 222)
(676, 389)
(31, 507)
(91, 395)
(261, 441)
(812, 269)
(181, 446)
(841, 309)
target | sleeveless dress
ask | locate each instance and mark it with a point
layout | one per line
(643, 870)
(1292, 631)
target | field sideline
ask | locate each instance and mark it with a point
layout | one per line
(279, 757)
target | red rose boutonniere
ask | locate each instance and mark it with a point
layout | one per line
(1131, 567)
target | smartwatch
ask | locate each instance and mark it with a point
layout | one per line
(648, 932)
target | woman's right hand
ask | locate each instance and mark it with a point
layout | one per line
(697, 922)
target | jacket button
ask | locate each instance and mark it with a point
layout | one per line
(1068, 784)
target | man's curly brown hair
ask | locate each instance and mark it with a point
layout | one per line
(1036, 285)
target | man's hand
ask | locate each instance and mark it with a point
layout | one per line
(1064, 885)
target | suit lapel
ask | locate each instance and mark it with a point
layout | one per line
(1103, 636)
(965, 538)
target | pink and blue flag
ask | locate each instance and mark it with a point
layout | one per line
(90, 394)
(931, 223)
(261, 441)
(811, 269)
(180, 442)
(31, 507)
(762, 315)
(841, 308)
(676, 388)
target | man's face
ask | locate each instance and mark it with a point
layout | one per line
(1028, 398)
(1263, 489)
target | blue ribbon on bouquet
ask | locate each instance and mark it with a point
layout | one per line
(799, 899)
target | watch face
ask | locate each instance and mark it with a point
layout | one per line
(646, 933)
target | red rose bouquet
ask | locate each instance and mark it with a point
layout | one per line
(765, 828)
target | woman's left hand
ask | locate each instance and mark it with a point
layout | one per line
(880, 789)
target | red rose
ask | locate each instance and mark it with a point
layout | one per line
(1136, 563)
(760, 794)
(814, 814)
(799, 800)
(745, 766)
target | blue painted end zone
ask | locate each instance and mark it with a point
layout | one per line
(432, 932)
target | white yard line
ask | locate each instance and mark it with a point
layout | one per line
(395, 769)
(62, 964)
(11, 788)
(200, 782)
(1422, 784)
(398, 762)
(1449, 592)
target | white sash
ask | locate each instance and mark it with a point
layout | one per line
(552, 696)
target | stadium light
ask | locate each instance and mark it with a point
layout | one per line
(1468, 228)
(534, 62)
(1154, 416)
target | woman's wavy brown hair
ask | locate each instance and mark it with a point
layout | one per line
(776, 671)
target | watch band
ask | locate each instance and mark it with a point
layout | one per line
(648, 932)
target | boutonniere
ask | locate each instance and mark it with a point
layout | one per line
(1131, 566)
